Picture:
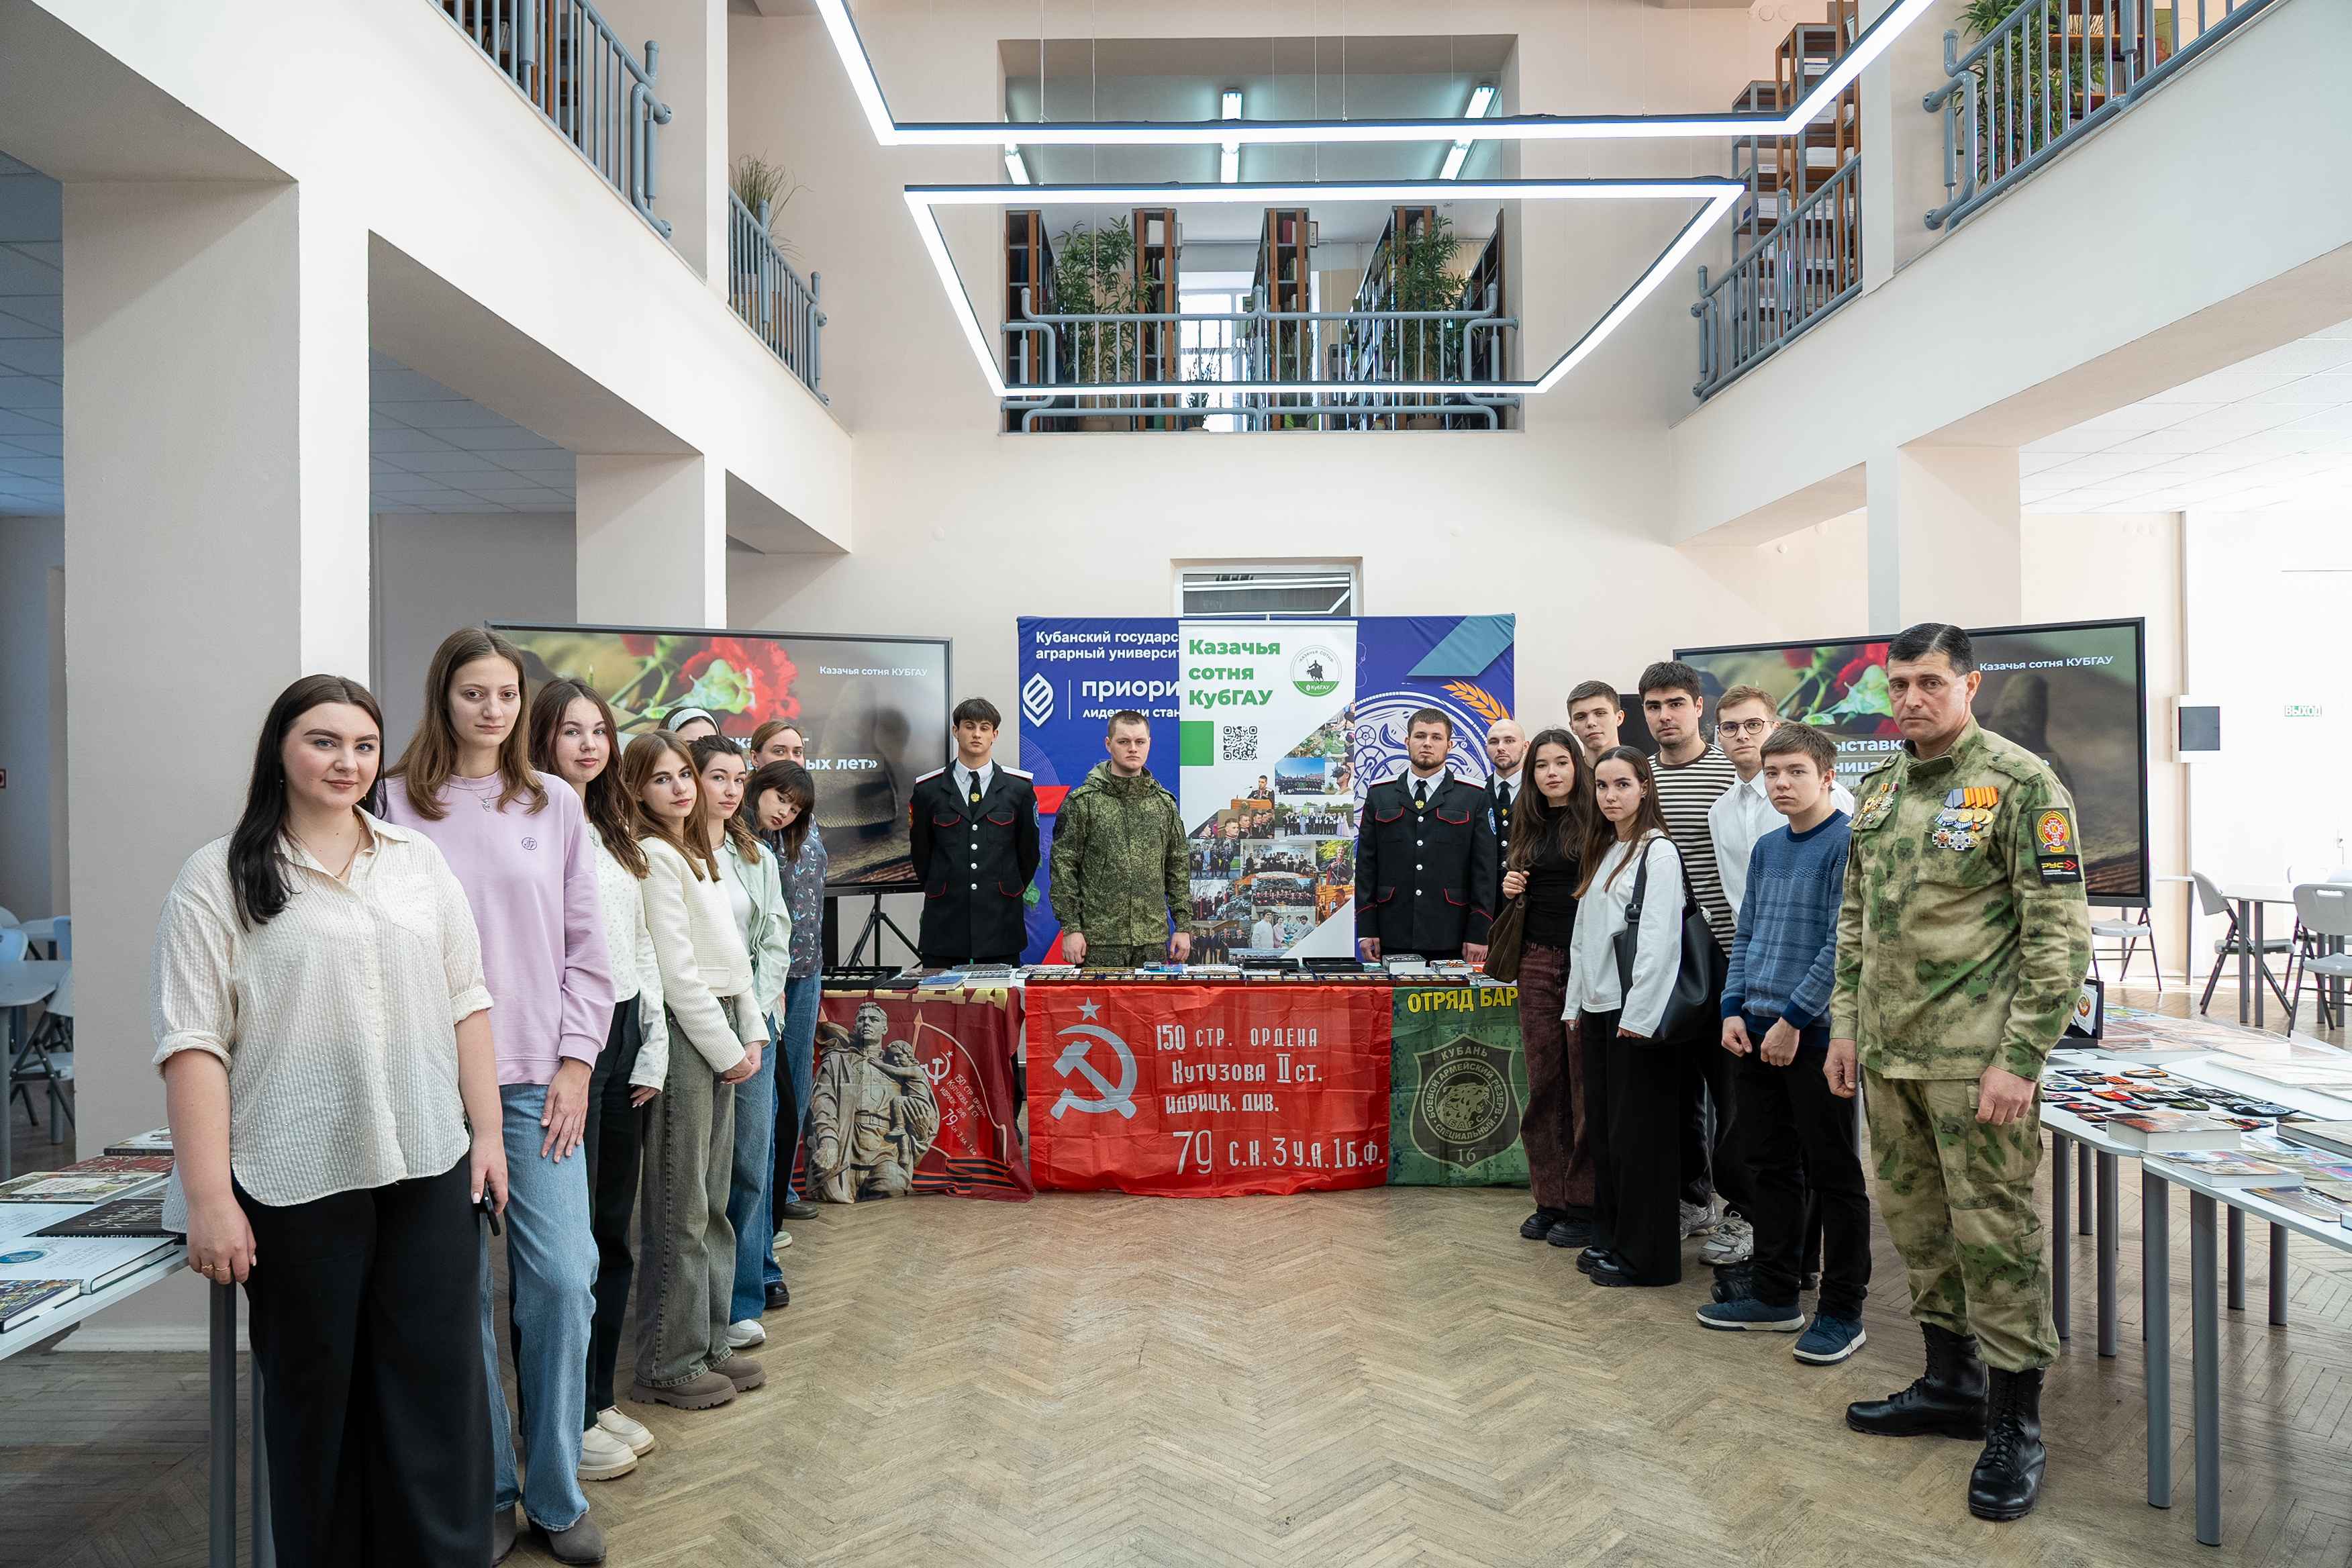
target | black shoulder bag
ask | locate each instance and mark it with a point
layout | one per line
(1693, 1004)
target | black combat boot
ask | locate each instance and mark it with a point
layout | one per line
(1946, 1401)
(2008, 1476)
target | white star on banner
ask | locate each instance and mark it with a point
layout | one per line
(1088, 1009)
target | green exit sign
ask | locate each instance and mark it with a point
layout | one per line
(2302, 710)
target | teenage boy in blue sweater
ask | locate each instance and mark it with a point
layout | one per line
(1775, 1003)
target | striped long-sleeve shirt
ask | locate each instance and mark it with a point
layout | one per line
(1784, 955)
(1685, 795)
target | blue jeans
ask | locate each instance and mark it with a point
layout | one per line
(552, 1270)
(801, 996)
(751, 1209)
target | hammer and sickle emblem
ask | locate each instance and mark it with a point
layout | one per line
(1115, 1097)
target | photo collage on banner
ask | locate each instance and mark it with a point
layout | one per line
(1268, 792)
(1294, 883)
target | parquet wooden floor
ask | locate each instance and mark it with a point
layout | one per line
(1386, 1377)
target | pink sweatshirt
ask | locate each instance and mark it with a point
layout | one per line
(530, 880)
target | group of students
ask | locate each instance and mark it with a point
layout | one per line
(1734, 1131)
(528, 980)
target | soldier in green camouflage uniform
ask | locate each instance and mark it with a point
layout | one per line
(1122, 868)
(1962, 944)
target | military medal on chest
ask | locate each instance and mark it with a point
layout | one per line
(1966, 818)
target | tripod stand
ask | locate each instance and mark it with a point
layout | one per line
(875, 923)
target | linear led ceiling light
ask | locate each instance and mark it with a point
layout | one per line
(841, 30)
(1014, 167)
(1481, 99)
(1229, 155)
(1718, 195)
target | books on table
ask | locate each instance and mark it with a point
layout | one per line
(158, 1142)
(80, 1186)
(2306, 1201)
(22, 1301)
(2172, 1131)
(92, 1262)
(2335, 1137)
(2229, 1170)
(123, 1216)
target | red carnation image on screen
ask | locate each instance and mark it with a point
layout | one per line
(747, 683)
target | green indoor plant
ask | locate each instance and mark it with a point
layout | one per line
(757, 181)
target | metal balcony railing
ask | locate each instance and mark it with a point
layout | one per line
(1808, 265)
(2054, 70)
(576, 72)
(772, 299)
(1345, 366)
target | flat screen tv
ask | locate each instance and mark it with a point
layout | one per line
(2075, 692)
(874, 711)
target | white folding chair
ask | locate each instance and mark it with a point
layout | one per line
(2210, 901)
(2130, 935)
(2324, 912)
(39, 1062)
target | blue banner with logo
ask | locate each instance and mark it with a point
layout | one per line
(1076, 671)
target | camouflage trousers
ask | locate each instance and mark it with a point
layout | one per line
(1958, 1195)
(1099, 957)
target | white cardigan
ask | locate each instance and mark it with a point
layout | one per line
(636, 969)
(706, 969)
(1658, 950)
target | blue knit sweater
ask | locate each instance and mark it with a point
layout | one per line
(1784, 952)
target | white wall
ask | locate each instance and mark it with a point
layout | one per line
(2267, 609)
(436, 573)
(30, 549)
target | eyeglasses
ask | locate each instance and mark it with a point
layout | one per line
(1745, 726)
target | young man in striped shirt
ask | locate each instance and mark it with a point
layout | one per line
(1795, 1132)
(1692, 774)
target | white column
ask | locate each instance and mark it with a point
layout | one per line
(691, 154)
(1944, 536)
(216, 549)
(652, 540)
(1902, 143)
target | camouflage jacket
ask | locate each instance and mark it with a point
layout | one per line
(1965, 933)
(1121, 865)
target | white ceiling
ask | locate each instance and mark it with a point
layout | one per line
(2271, 433)
(429, 449)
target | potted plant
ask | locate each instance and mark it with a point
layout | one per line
(767, 189)
(1094, 275)
(1421, 277)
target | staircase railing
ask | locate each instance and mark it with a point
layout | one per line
(576, 72)
(774, 299)
(1808, 265)
(2051, 71)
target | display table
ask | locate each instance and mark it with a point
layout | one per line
(914, 1092)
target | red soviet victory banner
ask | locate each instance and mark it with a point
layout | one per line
(1194, 1091)
(964, 1041)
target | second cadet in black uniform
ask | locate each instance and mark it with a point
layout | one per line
(974, 843)
(1506, 749)
(1427, 866)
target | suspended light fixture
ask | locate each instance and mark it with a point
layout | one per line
(1229, 156)
(1013, 165)
(841, 31)
(1482, 97)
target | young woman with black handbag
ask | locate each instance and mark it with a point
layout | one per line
(1547, 858)
(1624, 963)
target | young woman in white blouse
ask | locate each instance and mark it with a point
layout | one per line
(571, 736)
(324, 1034)
(717, 1036)
(755, 892)
(1631, 1079)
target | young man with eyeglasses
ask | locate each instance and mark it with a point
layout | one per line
(1692, 774)
(1743, 716)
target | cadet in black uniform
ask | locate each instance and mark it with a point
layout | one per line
(1427, 866)
(975, 848)
(1506, 749)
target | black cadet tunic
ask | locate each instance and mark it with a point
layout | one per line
(1503, 822)
(1426, 876)
(975, 861)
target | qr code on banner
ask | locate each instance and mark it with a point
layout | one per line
(1241, 742)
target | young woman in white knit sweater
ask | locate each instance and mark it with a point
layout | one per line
(717, 1036)
(572, 737)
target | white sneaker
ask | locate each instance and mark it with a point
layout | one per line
(1733, 1240)
(745, 1334)
(632, 1433)
(784, 1239)
(604, 1456)
(1697, 1219)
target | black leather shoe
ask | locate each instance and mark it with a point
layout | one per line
(1537, 1226)
(1612, 1275)
(798, 1210)
(779, 1295)
(1592, 1258)
(1946, 1401)
(1570, 1232)
(2008, 1476)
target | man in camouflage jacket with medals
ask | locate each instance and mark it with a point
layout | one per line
(1962, 944)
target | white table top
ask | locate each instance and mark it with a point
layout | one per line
(2259, 892)
(26, 981)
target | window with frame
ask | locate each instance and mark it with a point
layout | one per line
(1244, 590)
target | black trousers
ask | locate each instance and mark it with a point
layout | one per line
(1801, 1141)
(365, 1312)
(1707, 1130)
(613, 1142)
(1631, 1092)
